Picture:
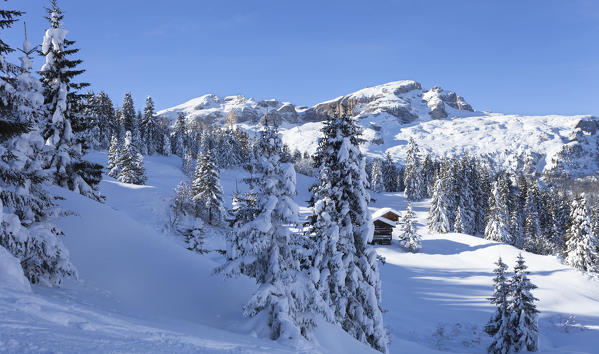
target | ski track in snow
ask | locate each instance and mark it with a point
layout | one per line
(140, 291)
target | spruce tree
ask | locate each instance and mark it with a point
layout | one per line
(438, 215)
(178, 136)
(413, 181)
(346, 265)
(582, 244)
(113, 157)
(499, 326)
(523, 311)
(130, 163)
(148, 127)
(406, 233)
(63, 104)
(262, 248)
(389, 172)
(206, 190)
(25, 206)
(498, 223)
(377, 183)
(533, 238)
(187, 163)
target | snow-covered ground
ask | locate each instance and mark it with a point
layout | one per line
(140, 290)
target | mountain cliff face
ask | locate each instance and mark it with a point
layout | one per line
(404, 100)
(442, 123)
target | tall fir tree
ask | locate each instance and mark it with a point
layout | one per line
(345, 262)
(377, 184)
(406, 232)
(64, 106)
(131, 163)
(413, 181)
(113, 157)
(498, 223)
(148, 127)
(582, 244)
(499, 326)
(206, 190)
(178, 136)
(523, 311)
(389, 172)
(261, 248)
(438, 215)
(25, 206)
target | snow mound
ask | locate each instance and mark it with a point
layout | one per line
(11, 273)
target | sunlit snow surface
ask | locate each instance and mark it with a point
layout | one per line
(140, 290)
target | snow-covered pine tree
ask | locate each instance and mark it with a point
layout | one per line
(466, 188)
(113, 157)
(582, 244)
(148, 127)
(498, 223)
(377, 184)
(428, 175)
(438, 215)
(188, 163)
(131, 163)
(166, 145)
(499, 326)
(206, 190)
(105, 114)
(389, 172)
(63, 104)
(25, 206)
(344, 264)
(178, 136)
(483, 192)
(458, 224)
(523, 311)
(413, 181)
(406, 233)
(129, 119)
(194, 236)
(533, 237)
(262, 248)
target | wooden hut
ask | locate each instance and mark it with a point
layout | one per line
(384, 221)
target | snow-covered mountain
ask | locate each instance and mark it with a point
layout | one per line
(442, 122)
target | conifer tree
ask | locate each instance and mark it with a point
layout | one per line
(206, 189)
(389, 172)
(523, 311)
(406, 233)
(533, 238)
(25, 206)
(131, 163)
(377, 184)
(498, 224)
(188, 164)
(178, 136)
(346, 265)
(166, 145)
(499, 326)
(148, 127)
(262, 248)
(414, 184)
(63, 104)
(438, 215)
(458, 224)
(113, 157)
(582, 244)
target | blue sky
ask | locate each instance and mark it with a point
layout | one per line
(528, 57)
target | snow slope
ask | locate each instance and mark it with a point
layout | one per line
(141, 291)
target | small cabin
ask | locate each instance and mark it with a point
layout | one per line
(384, 221)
